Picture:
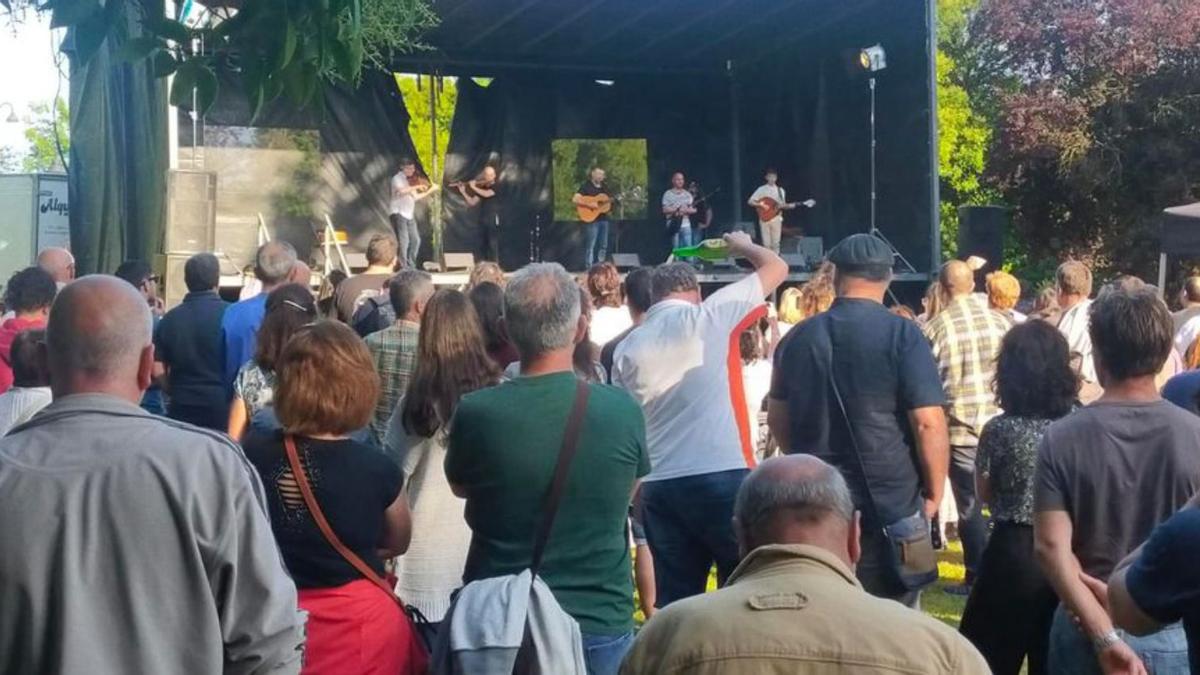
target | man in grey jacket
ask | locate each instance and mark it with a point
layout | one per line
(131, 543)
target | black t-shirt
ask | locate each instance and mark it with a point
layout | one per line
(489, 207)
(609, 350)
(188, 341)
(588, 189)
(884, 368)
(353, 483)
(1164, 582)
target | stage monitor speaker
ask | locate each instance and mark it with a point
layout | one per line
(457, 261)
(626, 261)
(812, 248)
(981, 231)
(191, 211)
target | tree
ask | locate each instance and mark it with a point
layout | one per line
(42, 136)
(9, 161)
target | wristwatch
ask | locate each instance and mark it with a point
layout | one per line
(1105, 640)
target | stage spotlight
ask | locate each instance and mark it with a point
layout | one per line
(873, 59)
(605, 83)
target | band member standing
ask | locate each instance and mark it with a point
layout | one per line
(408, 187)
(704, 213)
(597, 231)
(770, 198)
(481, 192)
(678, 208)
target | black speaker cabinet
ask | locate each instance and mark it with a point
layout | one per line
(981, 231)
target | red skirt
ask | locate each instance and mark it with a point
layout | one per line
(356, 629)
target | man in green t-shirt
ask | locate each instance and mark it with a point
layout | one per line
(504, 443)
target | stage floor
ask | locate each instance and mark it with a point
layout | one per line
(708, 277)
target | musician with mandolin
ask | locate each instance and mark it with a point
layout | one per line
(481, 192)
(770, 201)
(407, 188)
(593, 202)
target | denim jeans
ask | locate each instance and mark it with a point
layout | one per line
(682, 238)
(597, 242)
(1164, 652)
(875, 573)
(408, 239)
(604, 653)
(689, 526)
(972, 525)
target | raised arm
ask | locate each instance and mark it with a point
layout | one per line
(771, 269)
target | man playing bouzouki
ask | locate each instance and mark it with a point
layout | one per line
(770, 201)
(593, 202)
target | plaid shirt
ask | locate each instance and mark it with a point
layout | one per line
(966, 341)
(394, 350)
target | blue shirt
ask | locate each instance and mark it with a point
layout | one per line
(239, 331)
(1164, 581)
(1183, 390)
(152, 399)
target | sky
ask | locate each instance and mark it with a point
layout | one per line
(29, 75)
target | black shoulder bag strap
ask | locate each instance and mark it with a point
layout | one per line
(570, 444)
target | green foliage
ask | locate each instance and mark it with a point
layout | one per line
(624, 162)
(418, 92)
(43, 151)
(9, 161)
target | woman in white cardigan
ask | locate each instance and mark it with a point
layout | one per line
(452, 361)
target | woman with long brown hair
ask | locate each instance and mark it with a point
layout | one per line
(452, 361)
(610, 316)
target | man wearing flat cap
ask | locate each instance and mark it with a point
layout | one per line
(857, 386)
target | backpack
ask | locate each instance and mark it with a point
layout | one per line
(513, 623)
(374, 314)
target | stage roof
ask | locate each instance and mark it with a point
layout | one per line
(621, 35)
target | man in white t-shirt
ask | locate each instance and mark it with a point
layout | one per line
(1074, 281)
(677, 204)
(406, 190)
(772, 228)
(682, 364)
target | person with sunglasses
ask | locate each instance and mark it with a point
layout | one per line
(139, 275)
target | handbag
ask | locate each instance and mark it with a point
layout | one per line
(911, 556)
(411, 614)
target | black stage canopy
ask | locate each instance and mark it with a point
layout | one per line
(1179, 235)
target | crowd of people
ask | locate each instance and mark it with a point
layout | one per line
(389, 477)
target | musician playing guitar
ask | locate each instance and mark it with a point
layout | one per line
(407, 188)
(770, 201)
(481, 192)
(593, 202)
(677, 206)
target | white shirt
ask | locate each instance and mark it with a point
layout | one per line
(674, 199)
(1187, 335)
(681, 365)
(19, 404)
(756, 382)
(403, 205)
(1074, 326)
(609, 322)
(773, 191)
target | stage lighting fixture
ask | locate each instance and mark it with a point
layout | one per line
(873, 59)
(605, 83)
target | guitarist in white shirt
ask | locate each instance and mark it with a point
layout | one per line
(772, 228)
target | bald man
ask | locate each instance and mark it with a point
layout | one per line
(966, 338)
(793, 605)
(275, 264)
(136, 544)
(59, 263)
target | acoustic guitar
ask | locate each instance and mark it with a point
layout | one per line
(591, 208)
(768, 208)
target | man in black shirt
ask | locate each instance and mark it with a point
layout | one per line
(704, 213)
(893, 398)
(597, 230)
(188, 345)
(481, 192)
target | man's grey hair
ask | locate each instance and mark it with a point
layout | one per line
(541, 309)
(274, 262)
(811, 492)
(672, 277)
(407, 287)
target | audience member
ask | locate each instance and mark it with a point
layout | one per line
(394, 349)
(140, 276)
(486, 272)
(1074, 281)
(611, 317)
(381, 265)
(326, 389)
(696, 426)
(156, 509)
(756, 380)
(488, 300)
(504, 444)
(451, 361)
(1186, 321)
(1157, 584)
(1106, 475)
(301, 274)
(59, 263)
(817, 294)
(904, 312)
(327, 293)
(881, 420)
(966, 338)
(638, 299)
(288, 308)
(1184, 391)
(1011, 606)
(239, 326)
(790, 312)
(1045, 305)
(1003, 293)
(793, 604)
(586, 357)
(28, 296)
(932, 303)
(31, 383)
(187, 344)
